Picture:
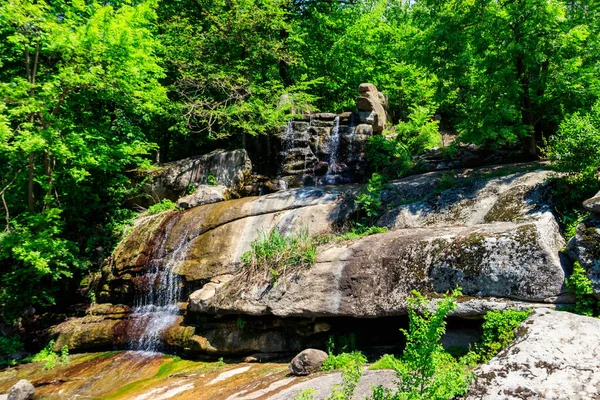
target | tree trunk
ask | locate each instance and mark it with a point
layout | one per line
(527, 116)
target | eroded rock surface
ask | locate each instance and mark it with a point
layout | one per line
(555, 355)
(585, 248)
(204, 194)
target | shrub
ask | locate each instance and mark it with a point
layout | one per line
(498, 332)
(275, 252)
(164, 205)
(211, 179)
(343, 360)
(351, 374)
(581, 286)
(420, 132)
(369, 201)
(387, 361)
(307, 394)
(576, 146)
(387, 156)
(9, 345)
(425, 370)
(49, 357)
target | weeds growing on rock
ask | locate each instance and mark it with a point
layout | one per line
(498, 332)
(581, 286)
(275, 252)
(50, 358)
(164, 205)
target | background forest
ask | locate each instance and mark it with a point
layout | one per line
(91, 90)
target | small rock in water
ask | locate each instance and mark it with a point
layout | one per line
(23, 390)
(307, 362)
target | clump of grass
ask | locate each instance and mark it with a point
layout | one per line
(356, 232)
(387, 361)
(50, 358)
(343, 361)
(275, 252)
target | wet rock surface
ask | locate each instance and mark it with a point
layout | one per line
(555, 355)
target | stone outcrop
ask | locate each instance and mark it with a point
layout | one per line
(371, 104)
(464, 156)
(204, 194)
(307, 362)
(495, 237)
(324, 149)
(22, 390)
(555, 355)
(593, 204)
(172, 180)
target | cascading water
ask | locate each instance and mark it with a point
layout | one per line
(334, 146)
(156, 309)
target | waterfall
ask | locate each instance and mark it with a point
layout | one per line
(156, 309)
(334, 146)
(288, 138)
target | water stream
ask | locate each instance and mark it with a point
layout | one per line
(334, 147)
(156, 308)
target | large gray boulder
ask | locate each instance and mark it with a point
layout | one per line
(308, 362)
(555, 355)
(593, 204)
(22, 390)
(374, 276)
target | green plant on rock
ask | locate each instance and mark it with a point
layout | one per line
(387, 156)
(386, 361)
(343, 360)
(211, 179)
(581, 286)
(164, 205)
(498, 332)
(9, 345)
(275, 252)
(369, 201)
(50, 358)
(351, 374)
(425, 370)
(307, 394)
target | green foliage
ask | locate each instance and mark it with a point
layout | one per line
(576, 146)
(211, 179)
(421, 131)
(498, 332)
(425, 370)
(307, 394)
(570, 220)
(164, 205)
(581, 286)
(386, 361)
(351, 374)
(343, 360)
(50, 358)
(240, 322)
(387, 156)
(276, 252)
(9, 345)
(369, 201)
(37, 260)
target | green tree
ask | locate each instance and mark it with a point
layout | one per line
(77, 83)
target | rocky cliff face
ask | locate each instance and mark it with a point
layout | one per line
(493, 236)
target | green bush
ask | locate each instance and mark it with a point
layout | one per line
(369, 200)
(387, 361)
(343, 360)
(420, 132)
(50, 358)
(498, 332)
(576, 146)
(211, 179)
(164, 205)
(9, 345)
(387, 156)
(425, 370)
(276, 252)
(351, 374)
(581, 286)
